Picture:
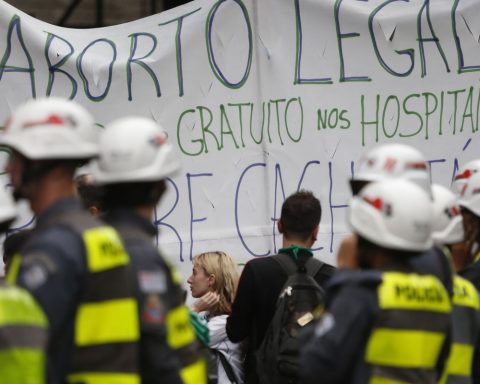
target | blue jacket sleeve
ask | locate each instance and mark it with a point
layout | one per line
(338, 339)
(52, 268)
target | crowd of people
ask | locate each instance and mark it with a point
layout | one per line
(89, 299)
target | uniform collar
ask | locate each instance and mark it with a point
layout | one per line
(131, 218)
(59, 207)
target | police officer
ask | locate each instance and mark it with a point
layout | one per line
(135, 160)
(391, 161)
(448, 231)
(384, 324)
(23, 325)
(73, 265)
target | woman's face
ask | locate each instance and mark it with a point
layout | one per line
(199, 282)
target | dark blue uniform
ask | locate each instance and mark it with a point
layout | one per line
(156, 293)
(53, 268)
(472, 274)
(334, 350)
(435, 262)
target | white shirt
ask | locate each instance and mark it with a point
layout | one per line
(220, 342)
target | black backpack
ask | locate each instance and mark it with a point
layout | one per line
(277, 356)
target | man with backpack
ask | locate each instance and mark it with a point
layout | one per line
(263, 281)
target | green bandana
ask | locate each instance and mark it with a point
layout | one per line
(294, 250)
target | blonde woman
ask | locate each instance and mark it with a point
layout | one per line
(213, 283)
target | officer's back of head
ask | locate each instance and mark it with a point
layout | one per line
(134, 161)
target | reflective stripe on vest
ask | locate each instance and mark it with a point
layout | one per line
(464, 314)
(13, 270)
(119, 322)
(23, 337)
(118, 313)
(409, 332)
(381, 380)
(107, 325)
(182, 339)
(22, 366)
(179, 328)
(194, 373)
(104, 378)
(104, 249)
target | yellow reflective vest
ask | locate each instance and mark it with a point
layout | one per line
(182, 339)
(23, 337)
(410, 330)
(465, 331)
(106, 323)
(181, 336)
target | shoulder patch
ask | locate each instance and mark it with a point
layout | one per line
(153, 311)
(35, 269)
(152, 281)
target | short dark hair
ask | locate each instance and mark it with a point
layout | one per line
(90, 194)
(301, 213)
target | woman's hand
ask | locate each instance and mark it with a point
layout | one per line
(206, 302)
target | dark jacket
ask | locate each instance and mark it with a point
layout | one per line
(156, 293)
(472, 274)
(259, 287)
(334, 351)
(53, 269)
(435, 262)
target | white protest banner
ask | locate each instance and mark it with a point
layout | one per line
(262, 98)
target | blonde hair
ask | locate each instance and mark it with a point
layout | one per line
(222, 266)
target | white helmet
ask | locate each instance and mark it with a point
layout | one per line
(470, 195)
(464, 173)
(51, 128)
(8, 209)
(134, 149)
(447, 220)
(389, 161)
(395, 214)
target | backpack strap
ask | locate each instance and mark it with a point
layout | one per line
(313, 266)
(289, 266)
(226, 366)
